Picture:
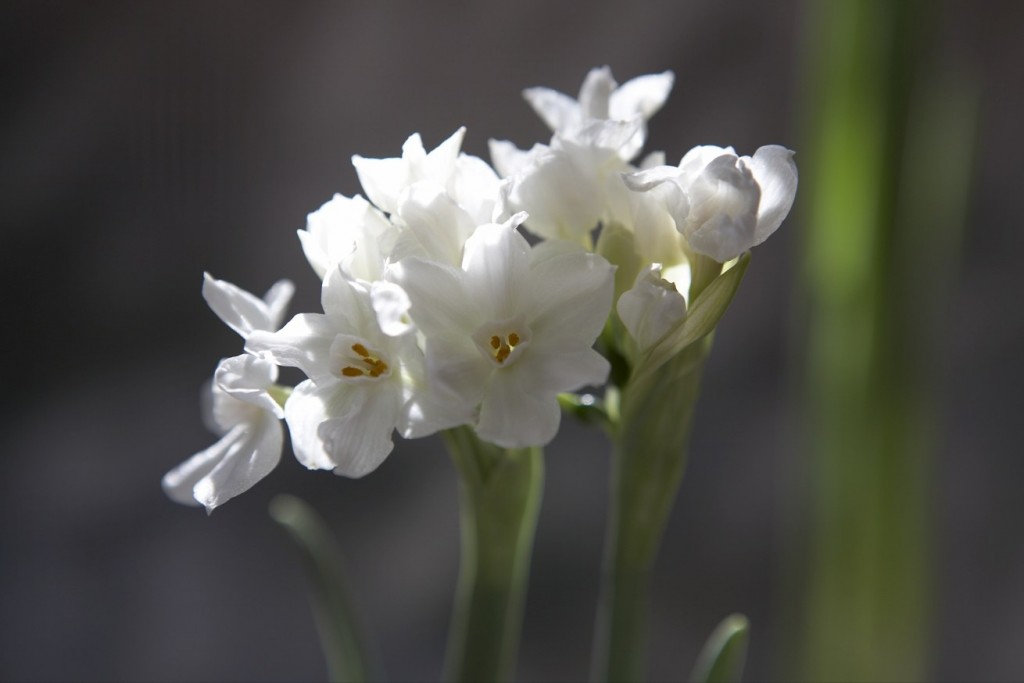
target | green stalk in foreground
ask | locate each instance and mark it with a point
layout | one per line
(648, 460)
(499, 498)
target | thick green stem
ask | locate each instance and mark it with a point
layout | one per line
(500, 492)
(649, 457)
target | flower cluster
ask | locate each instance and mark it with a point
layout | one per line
(438, 312)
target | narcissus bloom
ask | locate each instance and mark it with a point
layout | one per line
(511, 329)
(246, 415)
(363, 383)
(723, 204)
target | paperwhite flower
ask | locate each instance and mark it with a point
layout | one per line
(241, 408)
(350, 232)
(602, 99)
(721, 203)
(363, 383)
(564, 187)
(247, 418)
(468, 180)
(511, 329)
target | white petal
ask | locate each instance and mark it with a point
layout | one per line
(439, 303)
(305, 410)
(247, 378)
(239, 309)
(179, 482)
(254, 457)
(563, 200)
(440, 225)
(343, 427)
(568, 299)
(513, 418)
(474, 186)
(552, 372)
(439, 164)
(651, 308)
(641, 96)
(277, 299)
(723, 209)
(557, 110)
(596, 93)
(457, 370)
(496, 265)
(382, 180)
(305, 343)
(346, 302)
(391, 304)
(775, 172)
(506, 157)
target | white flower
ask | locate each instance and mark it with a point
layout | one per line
(247, 418)
(350, 232)
(651, 308)
(565, 187)
(363, 383)
(511, 329)
(243, 312)
(468, 180)
(602, 99)
(723, 204)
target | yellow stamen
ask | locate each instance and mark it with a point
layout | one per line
(361, 350)
(495, 342)
(513, 339)
(352, 372)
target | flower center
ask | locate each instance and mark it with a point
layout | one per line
(504, 341)
(366, 365)
(501, 347)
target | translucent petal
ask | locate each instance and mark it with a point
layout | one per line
(440, 225)
(254, 456)
(240, 310)
(178, 484)
(513, 418)
(557, 110)
(651, 308)
(437, 296)
(247, 378)
(304, 343)
(497, 268)
(641, 96)
(568, 299)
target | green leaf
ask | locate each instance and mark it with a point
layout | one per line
(340, 637)
(704, 314)
(721, 660)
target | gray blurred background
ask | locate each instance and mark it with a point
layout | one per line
(143, 143)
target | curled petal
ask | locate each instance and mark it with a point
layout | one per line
(775, 172)
(391, 304)
(304, 343)
(247, 378)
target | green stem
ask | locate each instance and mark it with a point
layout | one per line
(648, 460)
(500, 492)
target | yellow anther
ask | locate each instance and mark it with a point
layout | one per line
(352, 372)
(374, 367)
(495, 342)
(502, 353)
(361, 350)
(513, 339)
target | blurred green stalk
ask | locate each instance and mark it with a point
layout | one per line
(884, 176)
(499, 499)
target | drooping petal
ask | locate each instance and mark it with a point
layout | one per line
(254, 457)
(240, 310)
(247, 378)
(178, 484)
(342, 427)
(775, 172)
(304, 343)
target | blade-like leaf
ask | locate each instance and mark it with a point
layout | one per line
(340, 637)
(721, 660)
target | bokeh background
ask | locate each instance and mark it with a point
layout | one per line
(143, 143)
